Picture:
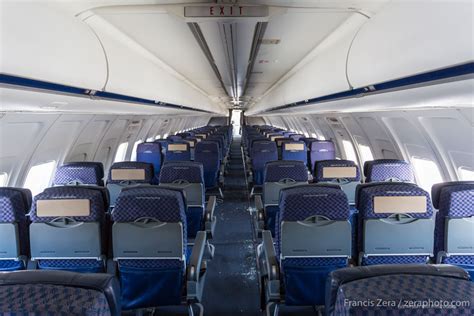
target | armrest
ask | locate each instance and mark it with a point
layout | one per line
(271, 261)
(210, 220)
(259, 215)
(210, 207)
(272, 267)
(194, 281)
(259, 207)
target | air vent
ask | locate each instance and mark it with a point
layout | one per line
(270, 41)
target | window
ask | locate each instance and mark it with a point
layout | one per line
(349, 150)
(134, 150)
(3, 179)
(39, 177)
(158, 137)
(121, 152)
(150, 139)
(465, 174)
(314, 135)
(427, 173)
(166, 135)
(366, 153)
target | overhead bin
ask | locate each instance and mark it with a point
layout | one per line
(41, 42)
(411, 37)
(135, 71)
(321, 72)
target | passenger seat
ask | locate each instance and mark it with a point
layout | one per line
(80, 173)
(14, 239)
(395, 223)
(454, 241)
(393, 170)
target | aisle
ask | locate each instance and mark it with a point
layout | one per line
(231, 286)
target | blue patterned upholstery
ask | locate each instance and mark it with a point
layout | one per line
(276, 171)
(454, 200)
(261, 153)
(321, 150)
(320, 165)
(58, 293)
(151, 153)
(388, 170)
(191, 172)
(147, 167)
(296, 137)
(207, 153)
(14, 204)
(178, 155)
(97, 214)
(151, 282)
(85, 172)
(365, 204)
(305, 277)
(285, 173)
(397, 291)
(182, 174)
(174, 138)
(50, 299)
(291, 154)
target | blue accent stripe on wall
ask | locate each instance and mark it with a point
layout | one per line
(403, 83)
(60, 88)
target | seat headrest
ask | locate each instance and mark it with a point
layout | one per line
(163, 204)
(137, 172)
(387, 169)
(382, 199)
(149, 148)
(106, 284)
(80, 203)
(15, 203)
(276, 171)
(192, 172)
(322, 146)
(208, 146)
(301, 202)
(454, 198)
(328, 170)
(84, 172)
(263, 145)
(339, 277)
(294, 146)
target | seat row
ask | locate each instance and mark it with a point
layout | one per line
(208, 145)
(316, 232)
(145, 241)
(375, 290)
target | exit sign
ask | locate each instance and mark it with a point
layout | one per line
(225, 11)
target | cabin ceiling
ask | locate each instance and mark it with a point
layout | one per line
(152, 51)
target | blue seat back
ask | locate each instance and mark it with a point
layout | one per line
(178, 151)
(342, 172)
(83, 172)
(149, 237)
(395, 223)
(397, 283)
(313, 237)
(294, 150)
(151, 153)
(454, 238)
(321, 150)
(388, 170)
(261, 153)
(68, 229)
(59, 293)
(207, 153)
(14, 238)
(128, 174)
(174, 138)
